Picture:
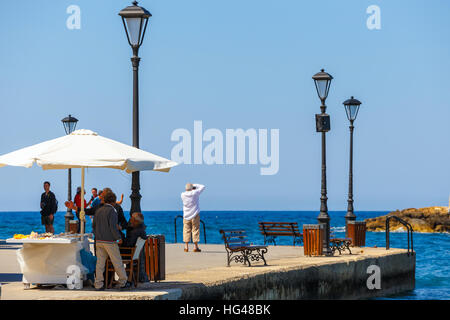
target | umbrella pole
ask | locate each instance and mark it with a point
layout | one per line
(82, 213)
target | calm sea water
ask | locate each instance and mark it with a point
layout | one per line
(433, 249)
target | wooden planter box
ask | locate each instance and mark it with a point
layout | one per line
(356, 230)
(313, 239)
(155, 257)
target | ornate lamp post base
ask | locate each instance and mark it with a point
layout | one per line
(67, 217)
(325, 221)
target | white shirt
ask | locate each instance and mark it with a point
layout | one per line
(190, 202)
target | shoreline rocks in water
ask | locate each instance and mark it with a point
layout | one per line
(430, 219)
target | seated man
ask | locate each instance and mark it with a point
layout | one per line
(136, 229)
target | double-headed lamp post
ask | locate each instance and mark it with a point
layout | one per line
(322, 81)
(135, 20)
(351, 108)
(70, 124)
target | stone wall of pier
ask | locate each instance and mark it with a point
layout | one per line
(336, 280)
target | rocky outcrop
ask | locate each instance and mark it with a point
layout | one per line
(431, 219)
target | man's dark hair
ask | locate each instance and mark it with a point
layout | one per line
(106, 190)
(109, 197)
(94, 189)
(46, 182)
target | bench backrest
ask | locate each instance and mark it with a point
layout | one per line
(235, 238)
(279, 228)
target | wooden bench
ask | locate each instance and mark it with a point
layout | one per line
(340, 244)
(239, 249)
(271, 230)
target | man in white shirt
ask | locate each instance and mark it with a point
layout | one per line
(191, 215)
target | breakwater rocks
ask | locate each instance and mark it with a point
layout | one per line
(430, 219)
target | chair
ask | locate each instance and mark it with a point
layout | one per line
(130, 258)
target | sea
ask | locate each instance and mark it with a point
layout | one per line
(432, 249)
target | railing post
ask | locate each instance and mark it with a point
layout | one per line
(387, 233)
(175, 224)
(409, 230)
(204, 230)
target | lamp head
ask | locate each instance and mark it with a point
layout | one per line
(351, 108)
(322, 80)
(135, 20)
(69, 123)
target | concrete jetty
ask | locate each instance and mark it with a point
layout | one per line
(288, 275)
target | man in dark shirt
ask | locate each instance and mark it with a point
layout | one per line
(48, 208)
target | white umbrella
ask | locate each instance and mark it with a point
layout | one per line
(86, 149)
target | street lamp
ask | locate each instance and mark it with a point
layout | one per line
(135, 20)
(322, 81)
(70, 124)
(351, 108)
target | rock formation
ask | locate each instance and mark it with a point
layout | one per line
(431, 219)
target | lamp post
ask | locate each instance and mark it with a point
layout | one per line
(351, 108)
(322, 80)
(135, 20)
(70, 124)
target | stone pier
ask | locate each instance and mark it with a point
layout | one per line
(288, 275)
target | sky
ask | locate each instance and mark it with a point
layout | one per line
(236, 64)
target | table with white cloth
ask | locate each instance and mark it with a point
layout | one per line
(52, 260)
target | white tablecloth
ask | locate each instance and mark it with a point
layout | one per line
(47, 261)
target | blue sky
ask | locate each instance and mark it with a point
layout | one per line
(236, 64)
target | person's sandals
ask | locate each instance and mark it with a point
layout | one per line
(186, 250)
(197, 250)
